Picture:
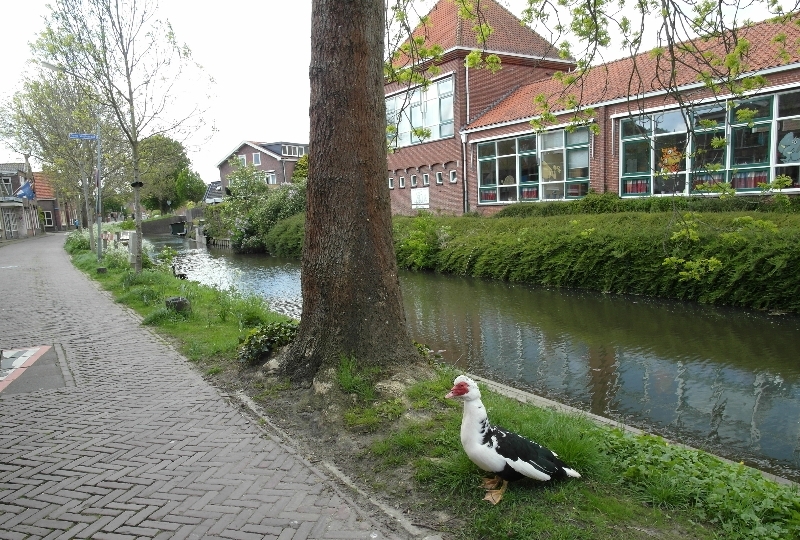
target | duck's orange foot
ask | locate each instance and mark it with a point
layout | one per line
(492, 483)
(495, 495)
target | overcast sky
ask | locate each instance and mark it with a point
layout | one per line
(257, 52)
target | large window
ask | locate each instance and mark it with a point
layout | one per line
(293, 150)
(654, 154)
(554, 165)
(5, 186)
(428, 109)
(745, 142)
(48, 218)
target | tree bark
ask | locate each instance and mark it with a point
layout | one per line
(352, 304)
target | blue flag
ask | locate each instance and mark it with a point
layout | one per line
(25, 191)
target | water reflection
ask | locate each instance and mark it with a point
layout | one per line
(721, 379)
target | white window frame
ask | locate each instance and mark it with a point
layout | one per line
(439, 178)
(426, 108)
(402, 182)
(270, 178)
(5, 182)
(413, 180)
(256, 158)
(242, 160)
(48, 218)
(426, 179)
(391, 183)
(453, 177)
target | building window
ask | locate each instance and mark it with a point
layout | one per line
(429, 109)
(391, 183)
(453, 177)
(654, 154)
(745, 143)
(439, 178)
(552, 165)
(271, 178)
(426, 179)
(413, 180)
(256, 158)
(292, 150)
(5, 186)
(402, 182)
(242, 160)
(48, 218)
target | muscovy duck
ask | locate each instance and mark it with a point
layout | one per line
(508, 455)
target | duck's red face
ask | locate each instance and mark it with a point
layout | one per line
(459, 389)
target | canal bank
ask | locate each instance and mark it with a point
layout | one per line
(421, 467)
(720, 379)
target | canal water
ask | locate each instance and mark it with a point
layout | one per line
(721, 379)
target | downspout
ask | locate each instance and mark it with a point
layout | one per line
(283, 164)
(465, 192)
(466, 85)
(464, 171)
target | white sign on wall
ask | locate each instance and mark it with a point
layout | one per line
(420, 198)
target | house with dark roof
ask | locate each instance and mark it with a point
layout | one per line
(19, 213)
(643, 142)
(275, 160)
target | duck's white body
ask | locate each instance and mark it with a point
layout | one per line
(493, 449)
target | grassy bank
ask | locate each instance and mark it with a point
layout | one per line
(737, 259)
(406, 444)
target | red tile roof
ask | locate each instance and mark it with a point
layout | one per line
(449, 30)
(44, 190)
(645, 72)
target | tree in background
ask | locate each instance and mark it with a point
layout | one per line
(189, 187)
(162, 160)
(133, 62)
(37, 121)
(300, 168)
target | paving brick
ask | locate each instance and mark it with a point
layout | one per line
(130, 452)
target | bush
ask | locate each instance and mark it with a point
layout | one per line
(265, 339)
(611, 203)
(718, 258)
(77, 240)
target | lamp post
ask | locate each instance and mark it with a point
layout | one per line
(137, 249)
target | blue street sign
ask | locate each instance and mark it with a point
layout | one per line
(83, 136)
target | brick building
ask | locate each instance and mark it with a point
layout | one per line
(276, 160)
(483, 153)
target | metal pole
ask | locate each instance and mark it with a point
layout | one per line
(137, 264)
(99, 201)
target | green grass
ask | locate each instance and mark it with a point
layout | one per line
(631, 487)
(210, 333)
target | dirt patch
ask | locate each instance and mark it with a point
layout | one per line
(312, 418)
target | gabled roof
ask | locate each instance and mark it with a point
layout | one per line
(449, 30)
(252, 144)
(261, 147)
(44, 190)
(644, 73)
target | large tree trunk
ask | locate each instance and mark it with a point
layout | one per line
(352, 303)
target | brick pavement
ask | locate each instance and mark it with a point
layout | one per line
(136, 444)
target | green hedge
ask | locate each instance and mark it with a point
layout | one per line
(741, 259)
(611, 203)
